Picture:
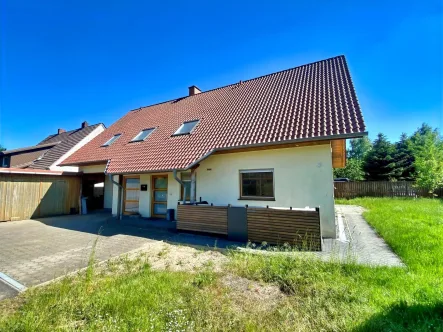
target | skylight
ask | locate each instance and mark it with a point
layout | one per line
(141, 136)
(112, 140)
(186, 127)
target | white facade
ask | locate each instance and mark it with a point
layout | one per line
(83, 142)
(302, 178)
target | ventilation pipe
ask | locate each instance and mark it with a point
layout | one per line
(120, 187)
(174, 172)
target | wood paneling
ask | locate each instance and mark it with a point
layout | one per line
(381, 189)
(32, 196)
(338, 153)
(295, 227)
(199, 218)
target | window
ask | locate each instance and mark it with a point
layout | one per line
(141, 136)
(5, 161)
(186, 179)
(186, 128)
(112, 140)
(257, 184)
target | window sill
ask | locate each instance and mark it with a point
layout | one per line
(270, 199)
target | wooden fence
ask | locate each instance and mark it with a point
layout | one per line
(203, 218)
(381, 189)
(275, 226)
(24, 196)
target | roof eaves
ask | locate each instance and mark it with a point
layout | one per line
(300, 140)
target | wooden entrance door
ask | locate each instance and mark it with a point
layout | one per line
(159, 195)
(131, 184)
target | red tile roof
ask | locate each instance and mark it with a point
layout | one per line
(309, 102)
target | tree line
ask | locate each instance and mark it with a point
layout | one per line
(418, 158)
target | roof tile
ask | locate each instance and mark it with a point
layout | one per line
(306, 102)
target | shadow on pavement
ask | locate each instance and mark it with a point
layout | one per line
(160, 230)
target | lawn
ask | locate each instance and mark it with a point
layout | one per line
(315, 295)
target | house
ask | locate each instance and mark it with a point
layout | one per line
(33, 185)
(50, 152)
(268, 141)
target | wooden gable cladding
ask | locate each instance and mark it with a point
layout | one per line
(338, 153)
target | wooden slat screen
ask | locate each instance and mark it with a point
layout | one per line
(200, 218)
(33, 196)
(275, 226)
(380, 189)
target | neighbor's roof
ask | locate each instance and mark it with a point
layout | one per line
(48, 151)
(33, 172)
(309, 102)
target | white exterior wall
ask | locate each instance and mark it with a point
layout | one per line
(85, 140)
(93, 169)
(145, 196)
(115, 199)
(302, 177)
(108, 193)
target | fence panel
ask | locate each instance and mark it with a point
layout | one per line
(380, 189)
(203, 218)
(24, 196)
(276, 226)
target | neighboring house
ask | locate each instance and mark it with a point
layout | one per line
(268, 141)
(50, 152)
(44, 158)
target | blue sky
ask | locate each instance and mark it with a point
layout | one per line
(63, 62)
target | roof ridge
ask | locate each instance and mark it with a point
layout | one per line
(248, 80)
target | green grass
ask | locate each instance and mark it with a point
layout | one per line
(339, 297)
(130, 296)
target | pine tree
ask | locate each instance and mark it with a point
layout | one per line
(360, 147)
(404, 159)
(379, 163)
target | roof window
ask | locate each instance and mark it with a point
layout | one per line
(143, 135)
(112, 140)
(186, 127)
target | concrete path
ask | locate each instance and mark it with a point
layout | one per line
(36, 251)
(358, 242)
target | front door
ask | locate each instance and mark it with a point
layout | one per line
(132, 194)
(159, 195)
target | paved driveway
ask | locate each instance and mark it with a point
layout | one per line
(36, 251)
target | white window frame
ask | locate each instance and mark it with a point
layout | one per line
(144, 139)
(112, 140)
(177, 132)
(260, 198)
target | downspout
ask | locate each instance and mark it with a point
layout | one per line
(192, 196)
(120, 207)
(174, 172)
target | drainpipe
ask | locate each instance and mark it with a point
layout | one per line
(193, 175)
(120, 208)
(174, 172)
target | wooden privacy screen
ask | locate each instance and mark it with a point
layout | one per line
(275, 226)
(200, 218)
(32, 196)
(381, 189)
